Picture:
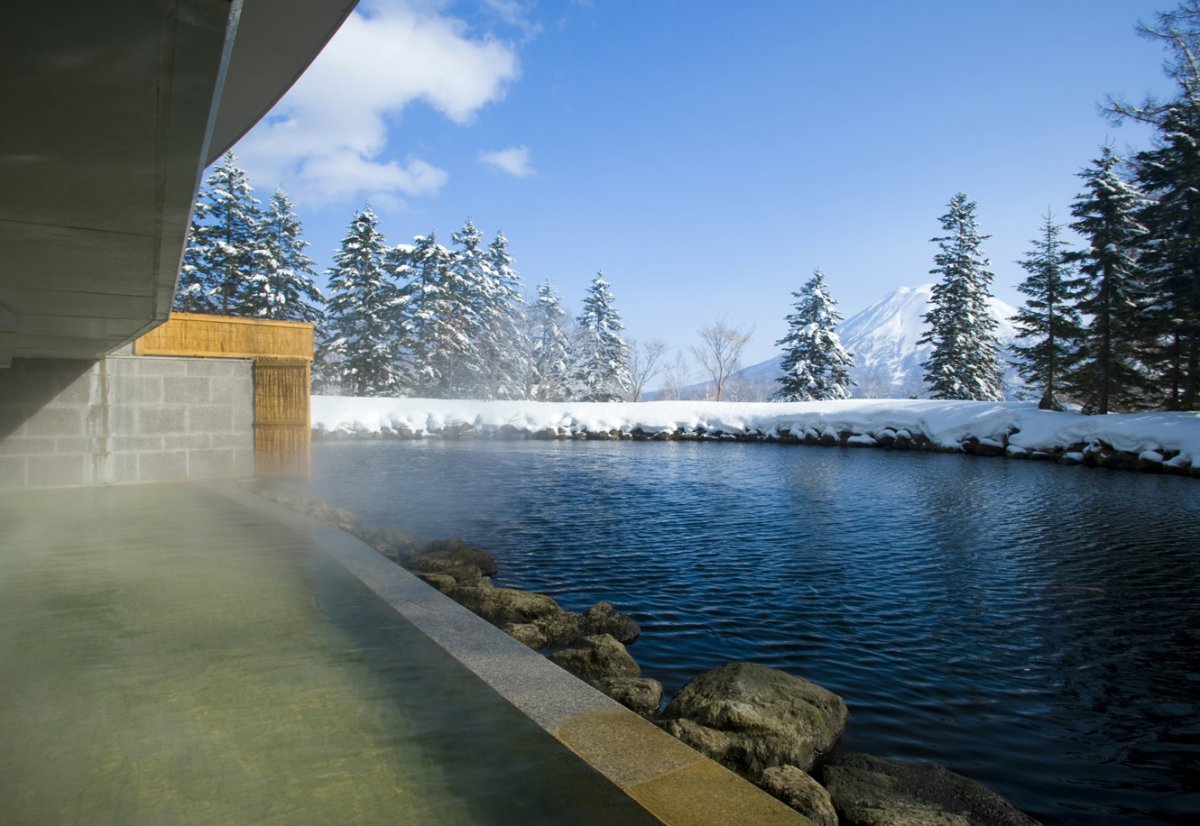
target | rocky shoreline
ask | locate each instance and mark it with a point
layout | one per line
(775, 729)
(1088, 453)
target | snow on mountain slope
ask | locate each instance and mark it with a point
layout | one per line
(883, 340)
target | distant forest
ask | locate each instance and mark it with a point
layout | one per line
(1113, 325)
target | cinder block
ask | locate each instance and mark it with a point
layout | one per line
(187, 441)
(135, 390)
(122, 420)
(57, 471)
(235, 391)
(78, 391)
(211, 464)
(209, 418)
(57, 421)
(162, 466)
(12, 472)
(185, 390)
(72, 444)
(170, 418)
(243, 440)
(161, 366)
(219, 368)
(123, 467)
(136, 444)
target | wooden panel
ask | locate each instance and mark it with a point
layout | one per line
(282, 424)
(192, 334)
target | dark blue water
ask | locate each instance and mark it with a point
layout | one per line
(1034, 627)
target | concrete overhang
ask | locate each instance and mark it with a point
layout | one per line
(111, 113)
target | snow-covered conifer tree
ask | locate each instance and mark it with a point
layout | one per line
(550, 347)
(285, 285)
(434, 333)
(1048, 323)
(1169, 173)
(600, 366)
(815, 365)
(362, 320)
(504, 325)
(964, 362)
(1108, 375)
(224, 244)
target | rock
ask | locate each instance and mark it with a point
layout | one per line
(393, 543)
(443, 582)
(707, 741)
(435, 557)
(504, 606)
(526, 633)
(602, 618)
(640, 694)
(562, 628)
(595, 658)
(771, 718)
(871, 791)
(798, 790)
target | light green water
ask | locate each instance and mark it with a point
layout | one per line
(167, 657)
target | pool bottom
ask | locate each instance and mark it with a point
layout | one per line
(169, 657)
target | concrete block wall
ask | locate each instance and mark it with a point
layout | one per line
(125, 419)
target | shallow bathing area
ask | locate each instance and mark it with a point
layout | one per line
(169, 656)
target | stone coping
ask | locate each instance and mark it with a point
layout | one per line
(676, 784)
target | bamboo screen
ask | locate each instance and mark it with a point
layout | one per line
(282, 352)
(211, 336)
(282, 427)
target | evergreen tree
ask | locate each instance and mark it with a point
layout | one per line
(964, 362)
(600, 371)
(435, 331)
(1170, 174)
(363, 327)
(1048, 323)
(550, 359)
(285, 286)
(815, 365)
(504, 340)
(225, 244)
(1108, 375)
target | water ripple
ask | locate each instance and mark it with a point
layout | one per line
(1033, 627)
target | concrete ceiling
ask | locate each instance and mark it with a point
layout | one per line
(111, 112)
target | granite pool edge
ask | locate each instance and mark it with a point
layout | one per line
(667, 778)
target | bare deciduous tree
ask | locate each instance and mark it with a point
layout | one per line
(675, 377)
(645, 362)
(720, 352)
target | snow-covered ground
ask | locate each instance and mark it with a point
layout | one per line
(1018, 427)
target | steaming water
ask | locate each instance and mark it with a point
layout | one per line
(167, 657)
(1033, 627)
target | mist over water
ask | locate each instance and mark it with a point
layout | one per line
(1033, 627)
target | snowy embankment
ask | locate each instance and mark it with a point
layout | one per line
(1145, 441)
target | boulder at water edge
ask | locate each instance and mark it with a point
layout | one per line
(801, 792)
(603, 663)
(436, 557)
(602, 618)
(750, 717)
(502, 606)
(595, 658)
(871, 791)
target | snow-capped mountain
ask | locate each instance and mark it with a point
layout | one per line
(883, 340)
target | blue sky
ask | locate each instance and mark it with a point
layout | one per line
(707, 156)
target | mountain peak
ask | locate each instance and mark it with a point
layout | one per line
(883, 339)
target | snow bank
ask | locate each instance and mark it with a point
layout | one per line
(1015, 428)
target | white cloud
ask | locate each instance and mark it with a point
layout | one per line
(328, 138)
(515, 160)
